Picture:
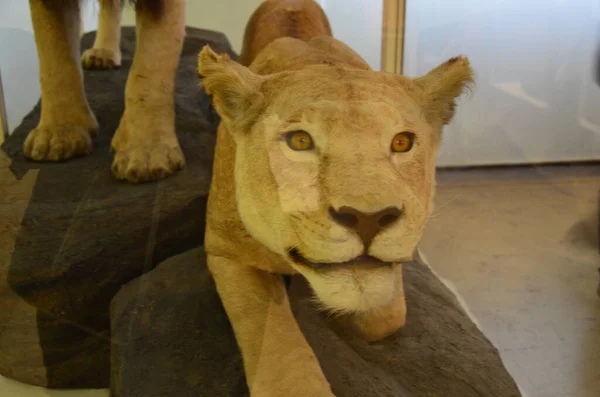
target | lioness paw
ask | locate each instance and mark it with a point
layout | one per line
(147, 162)
(101, 58)
(57, 143)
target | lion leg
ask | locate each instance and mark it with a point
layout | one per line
(379, 322)
(277, 359)
(67, 122)
(106, 52)
(145, 143)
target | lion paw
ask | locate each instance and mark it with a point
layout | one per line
(57, 143)
(147, 162)
(101, 58)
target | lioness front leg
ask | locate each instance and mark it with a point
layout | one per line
(67, 122)
(145, 143)
(277, 358)
(106, 52)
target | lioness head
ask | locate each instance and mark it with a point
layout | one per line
(334, 166)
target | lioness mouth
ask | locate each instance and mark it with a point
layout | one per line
(297, 257)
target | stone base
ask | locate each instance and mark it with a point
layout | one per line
(77, 235)
(172, 338)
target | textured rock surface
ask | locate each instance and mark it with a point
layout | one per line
(172, 338)
(83, 234)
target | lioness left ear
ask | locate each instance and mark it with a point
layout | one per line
(233, 87)
(442, 86)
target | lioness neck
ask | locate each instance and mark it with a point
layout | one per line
(274, 19)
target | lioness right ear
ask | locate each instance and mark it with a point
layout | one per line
(442, 86)
(233, 87)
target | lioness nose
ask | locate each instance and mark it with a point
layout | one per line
(365, 225)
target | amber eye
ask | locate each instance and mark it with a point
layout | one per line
(403, 142)
(299, 140)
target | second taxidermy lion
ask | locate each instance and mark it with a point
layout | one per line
(325, 168)
(146, 147)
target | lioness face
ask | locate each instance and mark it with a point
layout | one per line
(335, 172)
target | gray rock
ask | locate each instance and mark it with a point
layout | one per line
(172, 338)
(84, 234)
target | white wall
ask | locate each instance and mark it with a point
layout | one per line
(227, 16)
(359, 24)
(535, 99)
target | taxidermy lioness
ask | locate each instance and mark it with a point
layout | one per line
(146, 147)
(322, 167)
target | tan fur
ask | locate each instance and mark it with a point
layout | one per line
(60, 134)
(145, 144)
(294, 18)
(267, 199)
(106, 52)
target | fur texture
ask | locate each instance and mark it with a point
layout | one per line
(145, 144)
(300, 20)
(270, 205)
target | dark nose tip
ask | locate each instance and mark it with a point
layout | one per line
(365, 225)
